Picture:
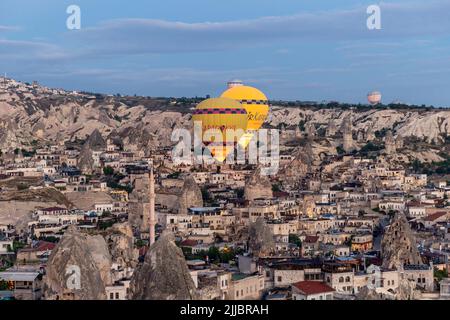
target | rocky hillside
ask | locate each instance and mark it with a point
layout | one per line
(32, 114)
(432, 125)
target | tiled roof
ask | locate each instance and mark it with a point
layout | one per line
(435, 216)
(189, 243)
(311, 239)
(54, 209)
(312, 287)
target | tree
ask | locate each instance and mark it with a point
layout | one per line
(108, 171)
(301, 125)
(3, 285)
(213, 253)
(205, 194)
(240, 193)
(140, 243)
(440, 274)
(276, 188)
(293, 238)
(22, 186)
(340, 150)
(226, 255)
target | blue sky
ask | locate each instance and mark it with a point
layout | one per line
(291, 49)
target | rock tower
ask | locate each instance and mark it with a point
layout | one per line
(398, 246)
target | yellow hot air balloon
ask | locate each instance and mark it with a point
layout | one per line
(256, 104)
(221, 114)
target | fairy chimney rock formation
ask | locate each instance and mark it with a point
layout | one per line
(398, 246)
(190, 195)
(78, 268)
(164, 274)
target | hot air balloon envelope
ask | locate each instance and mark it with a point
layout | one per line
(222, 116)
(374, 97)
(256, 104)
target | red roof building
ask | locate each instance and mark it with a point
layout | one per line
(312, 290)
(311, 239)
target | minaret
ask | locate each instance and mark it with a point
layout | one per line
(151, 197)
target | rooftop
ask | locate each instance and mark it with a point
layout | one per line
(312, 287)
(19, 276)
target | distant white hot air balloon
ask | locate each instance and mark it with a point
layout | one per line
(234, 83)
(374, 97)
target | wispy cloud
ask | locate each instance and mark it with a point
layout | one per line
(137, 36)
(149, 36)
(30, 50)
(8, 28)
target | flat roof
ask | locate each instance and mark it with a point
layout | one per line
(19, 276)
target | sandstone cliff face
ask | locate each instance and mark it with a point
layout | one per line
(302, 164)
(430, 125)
(164, 274)
(138, 197)
(406, 291)
(398, 246)
(260, 238)
(78, 251)
(95, 142)
(190, 195)
(258, 186)
(119, 239)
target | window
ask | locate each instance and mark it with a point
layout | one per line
(341, 279)
(111, 296)
(279, 279)
(237, 293)
(347, 279)
(117, 296)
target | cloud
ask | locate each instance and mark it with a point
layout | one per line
(140, 36)
(30, 50)
(8, 28)
(124, 37)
